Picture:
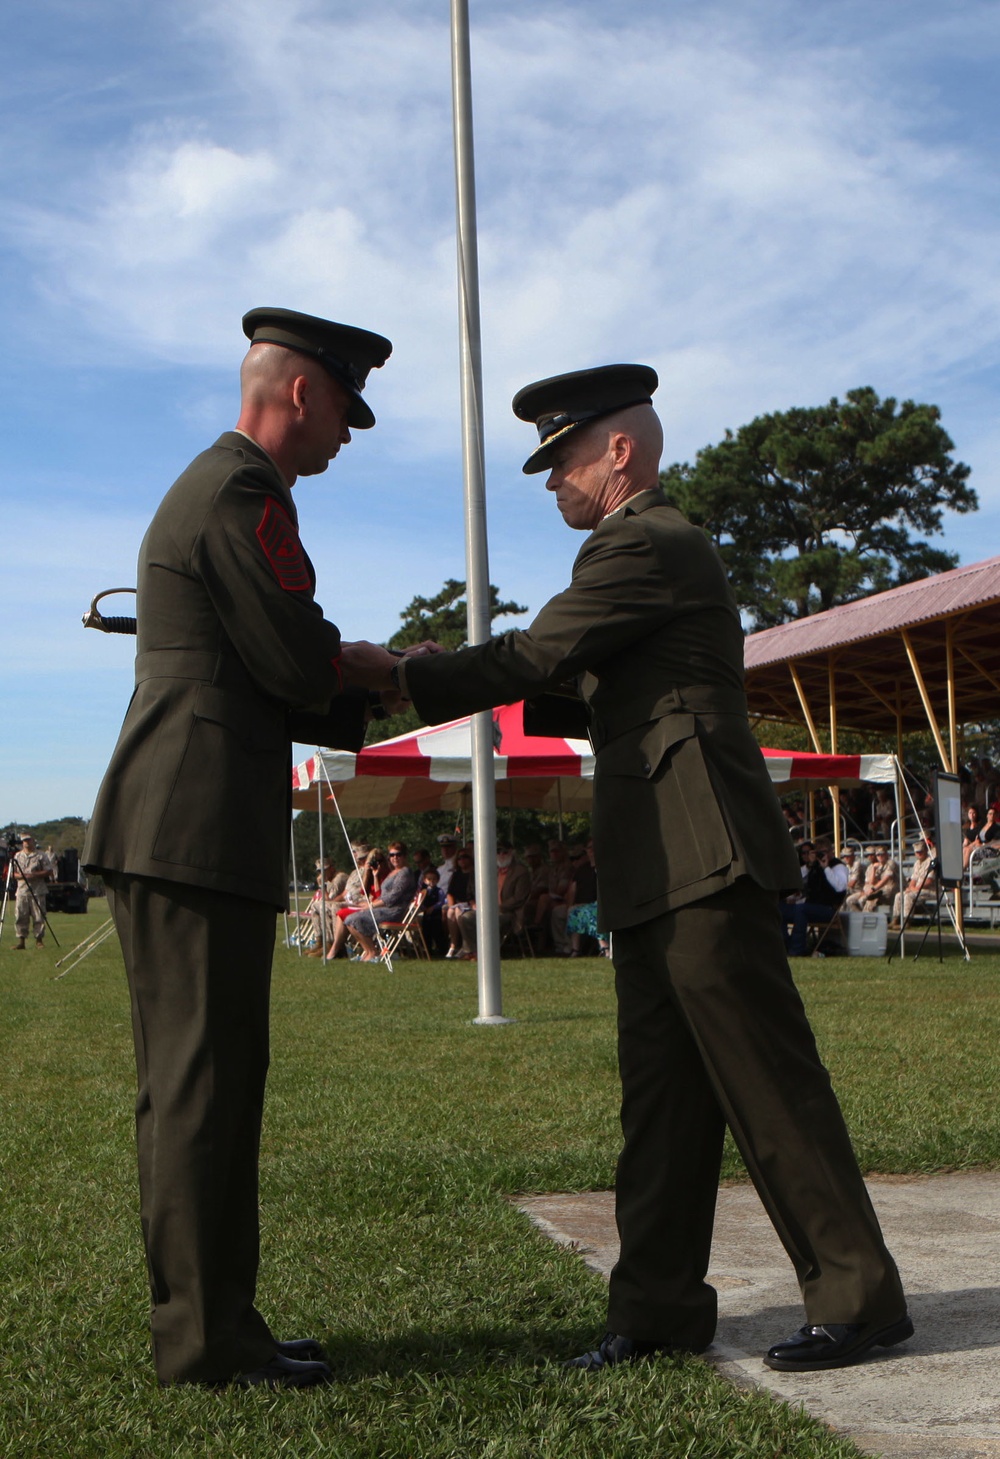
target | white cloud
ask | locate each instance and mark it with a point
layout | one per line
(753, 222)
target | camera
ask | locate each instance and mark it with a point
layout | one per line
(12, 842)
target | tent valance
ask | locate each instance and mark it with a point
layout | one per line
(431, 769)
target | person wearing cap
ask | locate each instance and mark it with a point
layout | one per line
(691, 850)
(920, 885)
(855, 871)
(235, 660)
(33, 870)
(864, 887)
(449, 846)
(886, 883)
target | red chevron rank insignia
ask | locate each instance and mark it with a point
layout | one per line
(277, 536)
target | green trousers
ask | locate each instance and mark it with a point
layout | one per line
(199, 969)
(712, 1031)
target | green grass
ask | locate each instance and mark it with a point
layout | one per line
(394, 1133)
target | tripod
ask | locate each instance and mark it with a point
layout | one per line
(935, 919)
(10, 881)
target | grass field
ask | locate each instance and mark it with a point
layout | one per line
(394, 1133)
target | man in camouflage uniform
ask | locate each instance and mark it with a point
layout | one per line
(33, 869)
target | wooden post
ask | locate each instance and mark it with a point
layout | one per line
(834, 789)
(810, 723)
(925, 697)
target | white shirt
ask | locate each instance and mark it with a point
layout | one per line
(444, 874)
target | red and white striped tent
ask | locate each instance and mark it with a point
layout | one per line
(799, 770)
(431, 770)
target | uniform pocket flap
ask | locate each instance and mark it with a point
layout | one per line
(258, 726)
(640, 752)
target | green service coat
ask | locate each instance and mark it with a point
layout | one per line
(649, 629)
(234, 661)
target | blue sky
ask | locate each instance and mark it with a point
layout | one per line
(771, 201)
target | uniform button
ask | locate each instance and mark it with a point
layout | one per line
(645, 767)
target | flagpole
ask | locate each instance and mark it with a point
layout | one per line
(477, 571)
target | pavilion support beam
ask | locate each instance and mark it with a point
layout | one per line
(834, 789)
(990, 678)
(949, 648)
(804, 706)
(924, 696)
(886, 703)
(900, 787)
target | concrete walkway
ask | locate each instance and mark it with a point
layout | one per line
(935, 1397)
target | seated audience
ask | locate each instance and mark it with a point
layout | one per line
(990, 833)
(855, 869)
(431, 911)
(460, 897)
(824, 886)
(362, 886)
(885, 885)
(514, 882)
(552, 907)
(883, 815)
(970, 834)
(862, 890)
(319, 913)
(395, 894)
(582, 920)
(921, 883)
(534, 919)
(449, 847)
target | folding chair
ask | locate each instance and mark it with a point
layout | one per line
(823, 929)
(518, 935)
(407, 931)
(307, 930)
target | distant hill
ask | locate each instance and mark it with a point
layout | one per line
(63, 835)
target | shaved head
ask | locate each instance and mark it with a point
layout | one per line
(269, 371)
(642, 426)
(293, 407)
(600, 466)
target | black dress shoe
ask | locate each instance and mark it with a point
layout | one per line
(835, 1345)
(304, 1349)
(614, 1349)
(282, 1372)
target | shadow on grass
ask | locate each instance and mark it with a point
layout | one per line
(453, 1352)
(580, 1017)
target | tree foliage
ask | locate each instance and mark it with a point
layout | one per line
(65, 833)
(813, 507)
(444, 617)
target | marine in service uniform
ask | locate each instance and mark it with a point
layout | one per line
(691, 849)
(190, 832)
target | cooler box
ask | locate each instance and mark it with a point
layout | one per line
(867, 933)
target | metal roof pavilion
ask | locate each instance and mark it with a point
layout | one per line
(925, 654)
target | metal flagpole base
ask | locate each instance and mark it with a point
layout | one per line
(493, 1018)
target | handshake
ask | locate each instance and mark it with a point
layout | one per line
(369, 666)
